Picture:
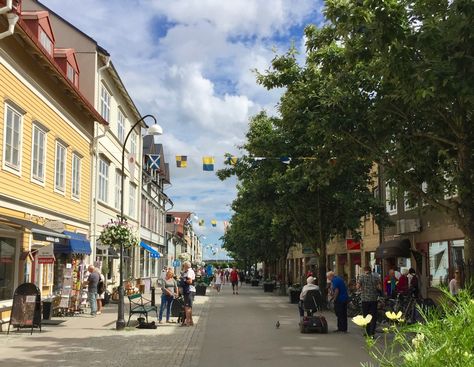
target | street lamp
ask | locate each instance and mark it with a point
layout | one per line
(155, 129)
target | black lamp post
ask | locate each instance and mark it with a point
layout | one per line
(155, 129)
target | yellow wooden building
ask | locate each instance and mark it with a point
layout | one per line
(46, 130)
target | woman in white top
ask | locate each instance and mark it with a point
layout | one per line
(218, 278)
(455, 283)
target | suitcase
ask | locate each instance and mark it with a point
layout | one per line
(314, 324)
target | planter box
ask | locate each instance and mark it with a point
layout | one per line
(268, 287)
(201, 290)
(294, 296)
(254, 282)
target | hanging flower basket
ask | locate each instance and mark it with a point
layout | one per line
(117, 232)
(184, 256)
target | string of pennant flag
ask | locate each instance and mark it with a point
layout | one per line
(201, 222)
(208, 162)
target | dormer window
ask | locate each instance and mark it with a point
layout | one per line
(45, 41)
(70, 73)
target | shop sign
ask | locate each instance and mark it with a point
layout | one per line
(55, 225)
(307, 250)
(352, 244)
(46, 260)
(48, 238)
(6, 259)
(46, 255)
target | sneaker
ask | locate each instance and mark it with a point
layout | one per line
(99, 312)
(236, 292)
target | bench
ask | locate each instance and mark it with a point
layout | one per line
(140, 306)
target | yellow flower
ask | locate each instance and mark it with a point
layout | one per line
(392, 315)
(361, 320)
(417, 340)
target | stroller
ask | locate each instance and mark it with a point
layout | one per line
(310, 322)
(177, 309)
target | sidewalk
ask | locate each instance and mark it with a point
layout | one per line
(93, 341)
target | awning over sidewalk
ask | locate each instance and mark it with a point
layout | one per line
(76, 244)
(40, 233)
(153, 253)
(394, 248)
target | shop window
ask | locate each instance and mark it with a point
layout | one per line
(7, 267)
(47, 274)
(439, 263)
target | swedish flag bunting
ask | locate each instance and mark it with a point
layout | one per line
(232, 160)
(201, 222)
(181, 161)
(214, 222)
(208, 163)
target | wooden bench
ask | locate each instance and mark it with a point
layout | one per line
(140, 306)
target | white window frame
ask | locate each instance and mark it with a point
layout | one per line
(71, 73)
(37, 155)
(105, 102)
(424, 188)
(13, 167)
(60, 168)
(390, 200)
(118, 188)
(133, 143)
(45, 41)
(132, 200)
(121, 126)
(103, 173)
(76, 163)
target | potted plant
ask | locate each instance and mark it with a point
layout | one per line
(268, 285)
(118, 232)
(294, 293)
(254, 282)
(201, 288)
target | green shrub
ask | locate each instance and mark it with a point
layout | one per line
(446, 338)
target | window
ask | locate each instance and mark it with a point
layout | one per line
(45, 41)
(133, 143)
(424, 188)
(121, 126)
(103, 180)
(71, 73)
(7, 267)
(105, 103)
(439, 263)
(391, 198)
(38, 153)
(118, 188)
(409, 202)
(60, 167)
(76, 176)
(132, 202)
(12, 140)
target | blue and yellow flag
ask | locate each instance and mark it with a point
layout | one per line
(181, 161)
(208, 163)
(214, 222)
(231, 160)
(201, 222)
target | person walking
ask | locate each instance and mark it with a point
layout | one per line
(455, 283)
(92, 282)
(413, 284)
(100, 293)
(369, 285)
(218, 279)
(390, 284)
(341, 298)
(186, 282)
(234, 279)
(169, 292)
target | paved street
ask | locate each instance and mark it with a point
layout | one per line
(230, 331)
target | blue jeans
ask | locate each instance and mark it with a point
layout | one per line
(92, 298)
(165, 300)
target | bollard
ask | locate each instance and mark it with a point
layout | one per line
(152, 289)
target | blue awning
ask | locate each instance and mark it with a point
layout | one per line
(77, 244)
(151, 250)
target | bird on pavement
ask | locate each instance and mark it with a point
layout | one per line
(277, 325)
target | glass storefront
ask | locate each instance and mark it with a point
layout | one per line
(7, 267)
(444, 257)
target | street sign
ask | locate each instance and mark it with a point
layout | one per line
(176, 263)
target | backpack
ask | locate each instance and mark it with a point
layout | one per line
(100, 287)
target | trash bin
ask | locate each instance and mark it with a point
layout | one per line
(47, 309)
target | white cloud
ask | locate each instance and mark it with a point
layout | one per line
(190, 62)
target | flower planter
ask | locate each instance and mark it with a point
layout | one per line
(201, 290)
(254, 282)
(248, 281)
(268, 287)
(294, 295)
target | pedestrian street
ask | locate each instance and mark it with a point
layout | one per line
(230, 330)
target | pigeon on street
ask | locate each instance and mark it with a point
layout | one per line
(277, 325)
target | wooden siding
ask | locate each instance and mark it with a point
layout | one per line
(22, 188)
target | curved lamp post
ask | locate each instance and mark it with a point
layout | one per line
(155, 129)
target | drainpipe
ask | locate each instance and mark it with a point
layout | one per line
(12, 19)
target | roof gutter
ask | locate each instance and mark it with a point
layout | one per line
(12, 19)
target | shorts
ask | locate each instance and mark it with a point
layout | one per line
(188, 299)
(235, 284)
(217, 286)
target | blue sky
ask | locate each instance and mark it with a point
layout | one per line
(189, 63)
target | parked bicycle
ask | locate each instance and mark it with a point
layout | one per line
(354, 305)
